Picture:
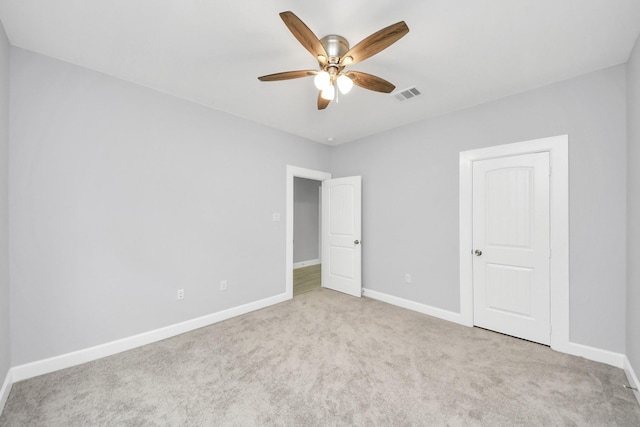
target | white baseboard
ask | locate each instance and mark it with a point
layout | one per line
(30, 370)
(590, 353)
(306, 263)
(40, 367)
(414, 306)
(5, 390)
(631, 376)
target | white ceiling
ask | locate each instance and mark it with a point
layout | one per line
(457, 53)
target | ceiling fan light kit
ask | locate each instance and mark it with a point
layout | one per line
(345, 84)
(334, 54)
(322, 80)
(328, 93)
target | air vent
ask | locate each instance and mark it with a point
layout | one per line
(410, 93)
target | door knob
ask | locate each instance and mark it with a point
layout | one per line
(356, 242)
(478, 252)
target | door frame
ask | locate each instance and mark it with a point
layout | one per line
(295, 172)
(558, 149)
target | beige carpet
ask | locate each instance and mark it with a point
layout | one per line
(327, 359)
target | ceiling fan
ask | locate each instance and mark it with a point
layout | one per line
(334, 54)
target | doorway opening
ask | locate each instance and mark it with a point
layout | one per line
(306, 235)
(294, 172)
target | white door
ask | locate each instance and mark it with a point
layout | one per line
(341, 226)
(511, 245)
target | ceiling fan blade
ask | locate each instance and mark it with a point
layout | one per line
(371, 82)
(375, 43)
(287, 75)
(305, 36)
(322, 103)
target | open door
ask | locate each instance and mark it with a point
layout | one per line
(341, 235)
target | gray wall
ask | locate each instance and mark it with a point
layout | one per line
(5, 355)
(120, 195)
(410, 196)
(306, 219)
(633, 206)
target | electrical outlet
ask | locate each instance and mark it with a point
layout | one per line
(407, 278)
(223, 285)
(180, 294)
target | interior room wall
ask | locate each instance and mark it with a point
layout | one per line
(633, 206)
(5, 355)
(411, 208)
(121, 195)
(306, 219)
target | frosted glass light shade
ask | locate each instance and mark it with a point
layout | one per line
(328, 93)
(344, 84)
(322, 80)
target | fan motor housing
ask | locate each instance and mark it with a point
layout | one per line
(335, 46)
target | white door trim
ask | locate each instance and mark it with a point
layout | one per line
(295, 172)
(558, 148)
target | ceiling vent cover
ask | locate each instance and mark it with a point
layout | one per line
(412, 92)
